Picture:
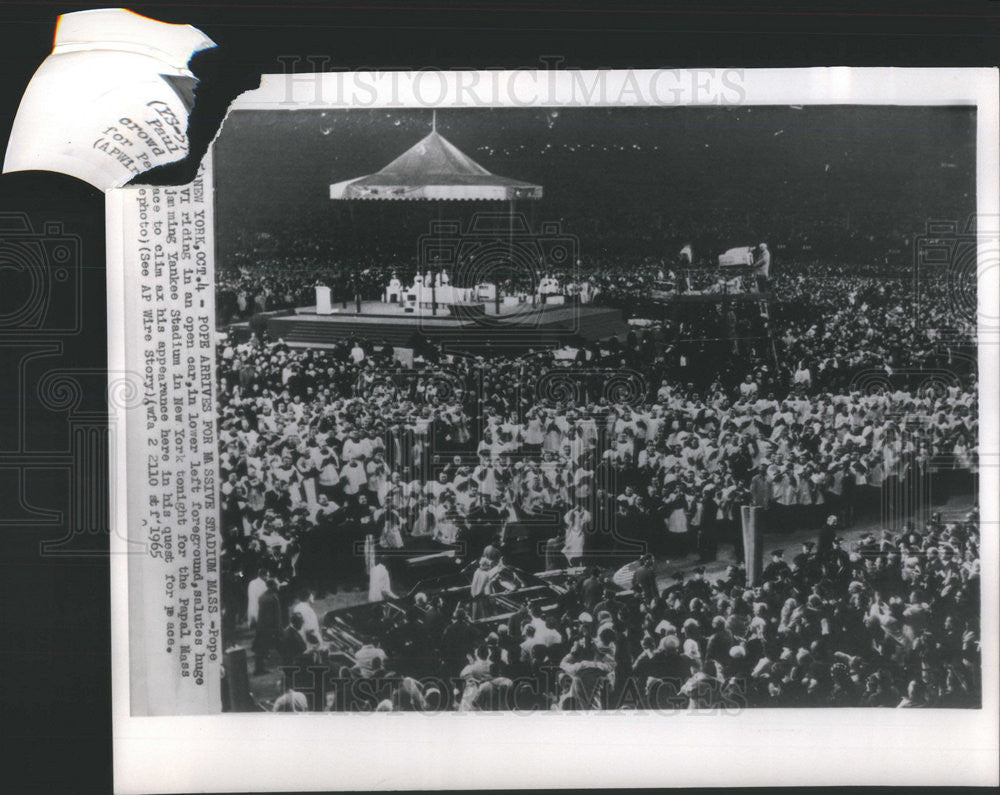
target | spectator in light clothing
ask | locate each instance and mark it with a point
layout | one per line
(291, 701)
(255, 589)
(802, 377)
(748, 388)
(379, 587)
(482, 581)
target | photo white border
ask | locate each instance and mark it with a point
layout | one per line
(493, 750)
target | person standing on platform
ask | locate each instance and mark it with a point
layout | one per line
(482, 585)
(762, 267)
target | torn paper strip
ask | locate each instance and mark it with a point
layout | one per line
(110, 102)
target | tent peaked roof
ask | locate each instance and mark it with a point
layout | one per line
(435, 156)
(434, 168)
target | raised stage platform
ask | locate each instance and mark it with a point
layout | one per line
(514, 327)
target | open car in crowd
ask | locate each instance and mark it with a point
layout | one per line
(347, 630)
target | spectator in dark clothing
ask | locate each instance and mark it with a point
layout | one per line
(269, 626)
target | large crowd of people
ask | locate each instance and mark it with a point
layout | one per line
(853, 395)
(891, 622)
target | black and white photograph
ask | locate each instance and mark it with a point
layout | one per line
(448, 396)
(627, 408)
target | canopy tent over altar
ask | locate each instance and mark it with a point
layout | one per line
(434, 169)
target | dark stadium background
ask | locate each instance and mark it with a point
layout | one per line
(626, 181)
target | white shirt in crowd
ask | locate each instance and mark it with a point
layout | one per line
(256, 587)
(355, 475)
(310, 622)
(379, 586)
